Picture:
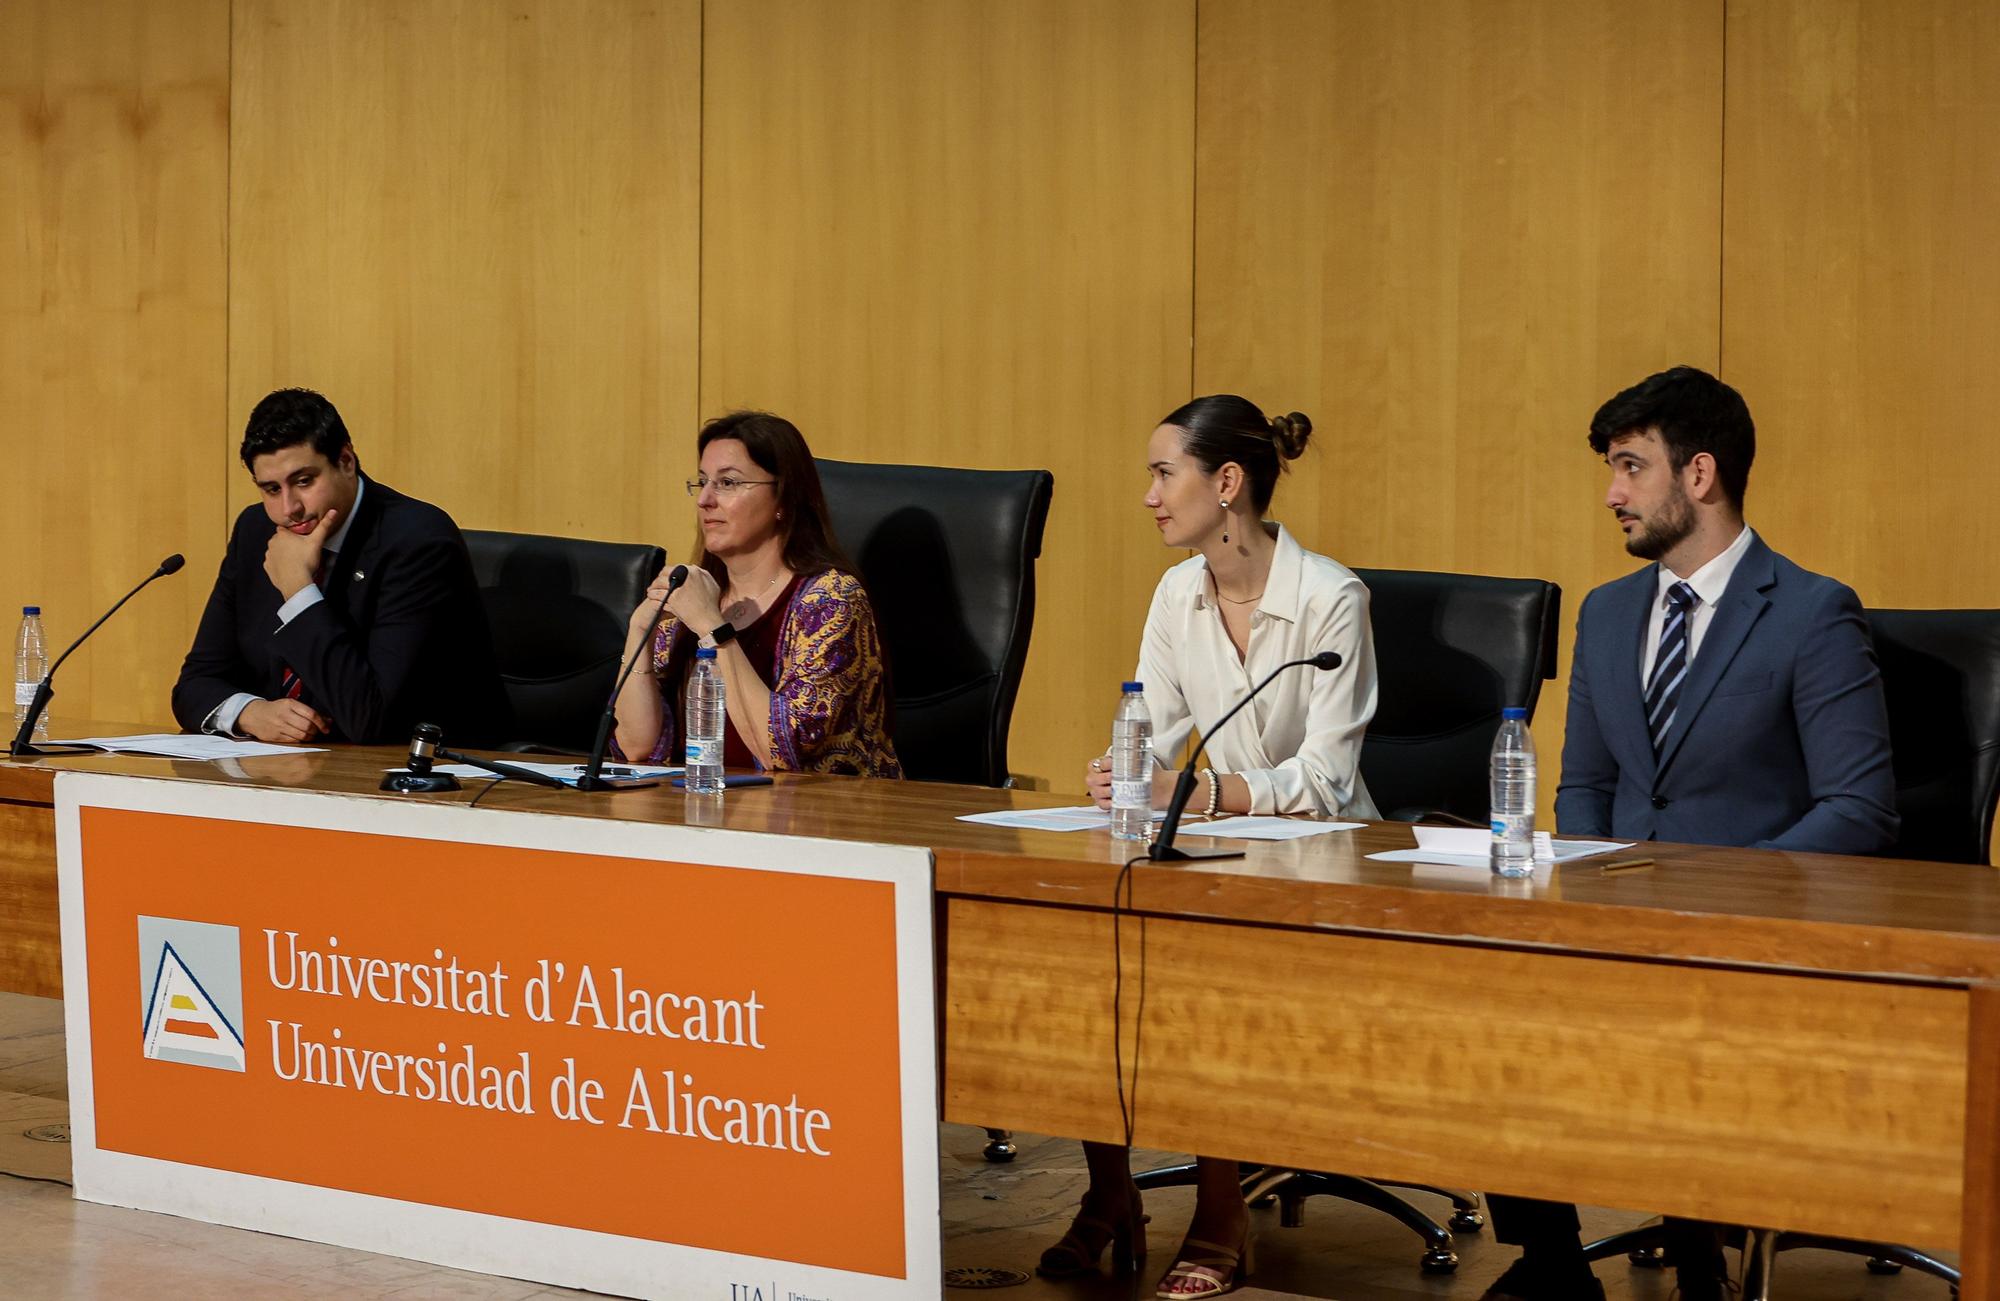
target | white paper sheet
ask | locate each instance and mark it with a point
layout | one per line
(1266, 828)
(174, 745)
(1086, 818)
(1467, 846)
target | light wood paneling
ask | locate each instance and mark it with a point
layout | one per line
(1738, 1096)
(31, 940)
(1447, 232)
(1861, 288)
(113, 173)
(959, 232)
(474, 227)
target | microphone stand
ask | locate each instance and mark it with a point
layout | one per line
(45, 689)
(1162, 849)
(498, 769)
(593, 778)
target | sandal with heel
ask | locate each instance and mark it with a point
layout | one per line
(1076, 1254)
(1206, 1269)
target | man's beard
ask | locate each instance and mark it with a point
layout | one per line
(1667, 529)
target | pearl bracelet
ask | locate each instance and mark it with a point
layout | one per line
(1214, 792)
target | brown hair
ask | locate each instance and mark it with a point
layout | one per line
(1223, 428)
(780, 450)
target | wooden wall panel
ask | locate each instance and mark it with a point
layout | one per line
(474, 227)
(960, 233)
(1447, 232)
(1861, 288)
(113, 173)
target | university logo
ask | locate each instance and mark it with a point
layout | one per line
(191, 981)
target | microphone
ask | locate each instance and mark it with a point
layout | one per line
(45, 689)
(1162, 849)
(593, 778)
(426, 746)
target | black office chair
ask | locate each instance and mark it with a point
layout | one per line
(1451, 651)
(948, 557)
(1941, 679)
(559, 608)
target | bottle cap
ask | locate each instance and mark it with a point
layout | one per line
(704, 652)
(1514, 713)
(1130, 687)
(31, 609)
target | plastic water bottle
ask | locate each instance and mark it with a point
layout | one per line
(31, 663)
(1513, 786)
(705, 713)
(1132, 766)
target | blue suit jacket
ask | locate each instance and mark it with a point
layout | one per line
(1781, 739)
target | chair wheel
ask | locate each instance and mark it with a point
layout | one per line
(1002, 1150)
(1463, 1221)
(1876, 1265)
(1439, 1261)
(1648, 1257)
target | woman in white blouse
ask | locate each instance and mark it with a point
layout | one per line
(1248, 600)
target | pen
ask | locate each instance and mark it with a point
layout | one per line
(1628, 865)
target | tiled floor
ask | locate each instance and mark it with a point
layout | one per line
(994, 1215)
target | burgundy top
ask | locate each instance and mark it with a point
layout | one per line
(760, 642)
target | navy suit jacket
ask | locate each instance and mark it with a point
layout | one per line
(401, 637)
(1781, 739)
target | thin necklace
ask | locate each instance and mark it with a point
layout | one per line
(1231, 599)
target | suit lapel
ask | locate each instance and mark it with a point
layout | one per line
(1623, 697)
(1735, 614)
(355, 549)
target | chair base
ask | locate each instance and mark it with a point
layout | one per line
(1760, 1248)
(1291, 1188)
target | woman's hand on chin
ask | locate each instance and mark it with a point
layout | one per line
(698, 602)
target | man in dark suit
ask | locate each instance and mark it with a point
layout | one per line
(344, 609)
(1720, 696)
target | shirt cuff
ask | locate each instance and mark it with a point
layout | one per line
(221, 721)
(302, 600)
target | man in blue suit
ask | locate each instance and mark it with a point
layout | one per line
(1720, 696)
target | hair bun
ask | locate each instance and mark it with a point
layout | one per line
(1290, 434)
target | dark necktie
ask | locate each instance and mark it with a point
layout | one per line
(1670, 666)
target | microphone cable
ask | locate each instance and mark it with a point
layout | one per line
(1128, 1112)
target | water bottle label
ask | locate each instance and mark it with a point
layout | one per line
(24, 693)
(1135, 794)
(1519, 826)
(704, 753)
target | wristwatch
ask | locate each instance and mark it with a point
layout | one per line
(725, 632)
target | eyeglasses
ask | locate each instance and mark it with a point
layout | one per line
(726, 486)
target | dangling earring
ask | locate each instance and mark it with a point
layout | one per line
(1225, 522)
(781, 514)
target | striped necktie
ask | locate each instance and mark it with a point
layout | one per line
(290, 686)
(1670, 666)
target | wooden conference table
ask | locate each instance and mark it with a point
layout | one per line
(1782, 1040)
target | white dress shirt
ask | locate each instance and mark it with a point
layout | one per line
(1298, 745)
(222, 720)
(1709, 583)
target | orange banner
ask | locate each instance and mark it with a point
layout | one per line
(679, 1053)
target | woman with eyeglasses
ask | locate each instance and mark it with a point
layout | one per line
(798, 650)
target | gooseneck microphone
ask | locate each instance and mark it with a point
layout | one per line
(1162, 849)
(45, 689)
(593, 778)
